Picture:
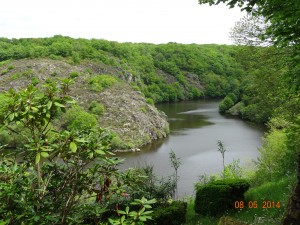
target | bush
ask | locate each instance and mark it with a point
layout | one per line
(100, 82)
(226, 104)
(74, 74)
(233, 97)
(276, 159)
(35, 81)
(96, 108)
(150, 101)
(61, 189)
(219, 196)
(78, 119)
(171, 214)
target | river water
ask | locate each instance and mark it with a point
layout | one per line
(195, 127)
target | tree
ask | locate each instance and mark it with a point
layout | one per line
(284, 17)
(175, 163)
(222, 150)
(251, 31)
(226, 104)
(61, 177)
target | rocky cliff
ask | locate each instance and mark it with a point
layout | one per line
(125, 110)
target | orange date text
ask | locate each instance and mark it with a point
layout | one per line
(257, 204)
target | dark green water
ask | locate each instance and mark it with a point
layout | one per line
(195, 127)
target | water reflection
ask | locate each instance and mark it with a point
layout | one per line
(196, 126)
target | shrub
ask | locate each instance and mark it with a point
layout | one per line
(28, 73)
(219, 196)
(276, 159)
(5, 71)
(75, 57)
(226, 104)
(99, 82)
(233, 97)
(170, 214)
(96, 108)
(150, 101)
(78, 119)
(74, 74)
(136, 88)
(35, 81)
(15, 76)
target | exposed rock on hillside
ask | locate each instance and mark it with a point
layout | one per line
(126, 112)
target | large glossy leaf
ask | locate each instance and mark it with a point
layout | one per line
(59, 105)
(73, 147)
(37, 158)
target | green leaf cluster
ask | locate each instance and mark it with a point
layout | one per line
(56, 177)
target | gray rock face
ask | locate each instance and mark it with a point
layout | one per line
(126, 112)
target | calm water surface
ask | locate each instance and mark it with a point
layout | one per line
(195, 127)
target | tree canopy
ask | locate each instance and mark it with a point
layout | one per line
(283, 15)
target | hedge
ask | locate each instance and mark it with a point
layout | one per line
(216, 197)
(169, 214)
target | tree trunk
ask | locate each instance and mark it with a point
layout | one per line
(292, 216)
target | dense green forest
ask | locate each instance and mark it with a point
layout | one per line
(166, 72)
(62, 170)
(173, 72)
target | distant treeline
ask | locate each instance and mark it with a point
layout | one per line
(250, 76)
(165, 72)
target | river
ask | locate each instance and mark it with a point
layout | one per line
(195, 128)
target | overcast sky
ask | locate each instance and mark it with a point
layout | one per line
(152, 21)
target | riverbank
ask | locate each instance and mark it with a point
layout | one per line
(195, 128)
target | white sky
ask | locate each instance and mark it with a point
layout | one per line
(153, 21)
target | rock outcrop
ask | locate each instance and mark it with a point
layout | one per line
(126, 112)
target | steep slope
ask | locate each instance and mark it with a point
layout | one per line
(124, 110)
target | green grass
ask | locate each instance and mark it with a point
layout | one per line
(277, 191)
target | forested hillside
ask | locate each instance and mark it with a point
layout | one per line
(75, 87)
(167, 72)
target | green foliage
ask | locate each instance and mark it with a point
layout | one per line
(282, 16)
(169, 214)
(150, 101)
(28, 73)
(233, 170)
(145, 183)
(66, 191)
(219, 196)
(166, 72)
(96, 108)
(277, 191)
(276, 158)
(35, 81)
(15, 76)
(74, 74)
(193, 218)
(135, 217)
(5, 71)
(226, 104)
(175, 163)
(100, 82)
(216, 85)
(233, 97)
(77, 118)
